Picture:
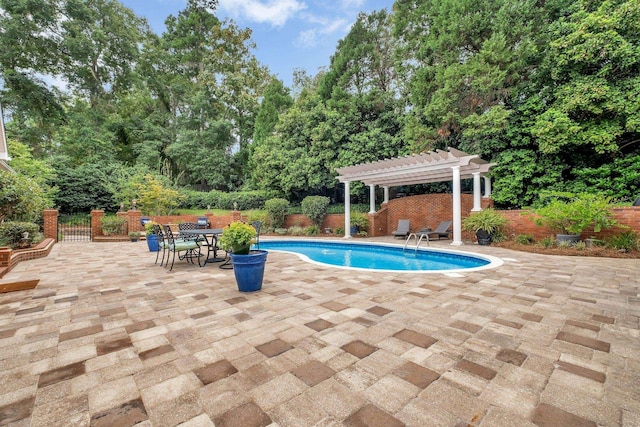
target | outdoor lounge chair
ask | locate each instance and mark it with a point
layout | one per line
(442, 230)
(403, 228)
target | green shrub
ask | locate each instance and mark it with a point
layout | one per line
(21, 198)
(276, 211)
(360, 220)
(237, 237)
(524, 239)
(296, 230)
(581, 246)
(566, 244)
(215, 199)
(256, 215)
(12, 232)
(547, 242)
(488, 220)
(625, 242)
(315, 208)
(312, 230)
(576, 214)
(338, 208)
(339, 231)
(112, 225)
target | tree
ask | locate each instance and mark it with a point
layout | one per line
(592, 66)
(21, 198)
(84, 187)
(463, 60)
(207, 92)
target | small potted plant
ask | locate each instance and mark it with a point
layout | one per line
(134, 235)
(151, 236)
(485, 224)
(248, 265)
(359, 223)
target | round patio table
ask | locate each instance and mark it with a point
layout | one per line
(210, 236)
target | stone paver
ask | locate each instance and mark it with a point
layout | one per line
(109, 338)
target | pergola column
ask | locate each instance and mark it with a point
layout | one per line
(477, 192)
(347, 211)
(372, 199)
(386, 194)
(487, 186)
(457, 209)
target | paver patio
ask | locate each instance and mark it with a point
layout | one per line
(110, 339)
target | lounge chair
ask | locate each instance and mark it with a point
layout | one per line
(403, 228)
(442, 230)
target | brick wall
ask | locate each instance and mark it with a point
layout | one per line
(10, 258)
(50, 219)
(427, 210)
(96, 226)
(331, 221)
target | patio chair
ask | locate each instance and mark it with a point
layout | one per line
(403, 228)
(257, 225)
(442, 230)
(203, 222)
(189, 247)
(189, 226)
(157, 230)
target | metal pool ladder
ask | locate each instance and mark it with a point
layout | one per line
(418, 237)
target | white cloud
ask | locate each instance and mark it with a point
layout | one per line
(353, 3)
(274, 12)
(307, 39)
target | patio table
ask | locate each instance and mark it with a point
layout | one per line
(211, 242)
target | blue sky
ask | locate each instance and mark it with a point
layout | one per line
(289, 34)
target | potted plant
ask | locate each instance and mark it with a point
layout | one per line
(151, 236)
(248, 265)
(569, 218)
(359, 222)
(134, 235)
(484, 223)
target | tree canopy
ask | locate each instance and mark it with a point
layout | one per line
(550, 91)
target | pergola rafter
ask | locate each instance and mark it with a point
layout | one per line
(433, 166)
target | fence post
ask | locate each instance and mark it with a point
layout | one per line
(50, 219)
(96, 227)
(133, 220)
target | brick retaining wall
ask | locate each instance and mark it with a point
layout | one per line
(9, 258)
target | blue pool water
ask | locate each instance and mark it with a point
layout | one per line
(377, 256)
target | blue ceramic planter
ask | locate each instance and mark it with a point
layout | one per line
(249, 270)
(152, 243)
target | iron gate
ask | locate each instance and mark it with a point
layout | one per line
(74, 228)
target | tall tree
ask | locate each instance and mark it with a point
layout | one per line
(463, 60)
(593, 81)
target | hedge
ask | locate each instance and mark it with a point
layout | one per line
(220, 200)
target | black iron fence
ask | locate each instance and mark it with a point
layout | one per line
(74, 228)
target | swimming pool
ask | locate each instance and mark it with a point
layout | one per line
(382, 257)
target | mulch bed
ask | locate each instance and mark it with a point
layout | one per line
(593, 251)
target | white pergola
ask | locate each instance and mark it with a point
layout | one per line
(433, 166)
